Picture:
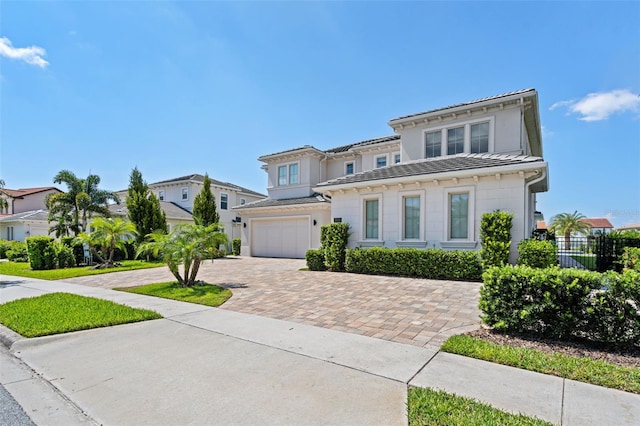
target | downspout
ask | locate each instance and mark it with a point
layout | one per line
(521, 126)
(527, 225)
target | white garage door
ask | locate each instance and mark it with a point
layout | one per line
(280, 237)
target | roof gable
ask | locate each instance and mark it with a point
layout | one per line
(23, 192)
(198, 178)
(599, 222)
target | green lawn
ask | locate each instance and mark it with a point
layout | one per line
(587, 260)
(56, 313)
(207, 294)
(22, 269)
(431, 407)
(581, 369)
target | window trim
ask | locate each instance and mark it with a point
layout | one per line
(402, 195)
(184, 194)
(471, 217)
(399, 155)
(243, 201)
(346, 164)
(161, 195)
(224, 198)
(363, 214)
(467, 135)
(287, 167)
(375, 161)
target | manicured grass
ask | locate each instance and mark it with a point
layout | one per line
(56, 313)
(431, 407)
(203, 294)
(587, 260)
(581, 369)
(22, 269)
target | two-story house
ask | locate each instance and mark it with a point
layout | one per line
(426, 186)
(177, 195)
(25, 214)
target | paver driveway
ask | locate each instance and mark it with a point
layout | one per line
(405, 310)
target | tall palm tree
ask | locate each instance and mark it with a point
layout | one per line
(108, 235)
(82, 200)
(186, 245)
(4, 204)
(568, 223)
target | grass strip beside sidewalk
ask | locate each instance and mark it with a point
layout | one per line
(23, 269)
(586, 370)
(203, 294)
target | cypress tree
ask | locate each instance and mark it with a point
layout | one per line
(144, 207)
(204, 205)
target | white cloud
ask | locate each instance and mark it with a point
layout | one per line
(31, 55)
(601, 105)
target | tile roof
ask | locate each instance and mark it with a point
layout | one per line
(476, 101)
(635, 225)
(16, 193)
(172, 210)
(375, 141)
(200, 178)
(432, 166)
(314, 199)
(35, 215)
(599, 222)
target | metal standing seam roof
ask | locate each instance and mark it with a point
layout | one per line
(429, 166)
(314, 199)
(200, 178)
(469, 103)
(339, 149)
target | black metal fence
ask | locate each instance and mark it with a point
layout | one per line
(596, 253)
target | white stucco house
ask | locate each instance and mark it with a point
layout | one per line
(25, 214)
(425, 186)
(177, 195)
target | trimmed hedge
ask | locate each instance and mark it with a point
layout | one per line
(432, 263)
(631, 258)
(18, 252)
(334, 238)
(495, 238)
(315, 260)
(41, 253)
(537, 254)
(236, 243)
(563, 303)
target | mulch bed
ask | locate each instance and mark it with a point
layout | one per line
(624, 357)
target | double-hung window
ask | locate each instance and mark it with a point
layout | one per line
(455, 141)
(434, 144)
(396, 158)
(161, 195)
(185, 194)
(224, 201)
(349, 168)
(479, 138)
(459, 216)
(282, 175)
(288, 174)
(381, 161)
(371, 219)
(293, 174)
(411, 222)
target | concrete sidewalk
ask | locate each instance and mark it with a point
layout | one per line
(203, 365)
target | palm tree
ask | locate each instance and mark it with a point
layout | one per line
(4, 204)
(108, 235)
(82, 200)
(186, 245)
(568, 223)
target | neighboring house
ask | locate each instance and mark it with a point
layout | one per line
(26, 199)
(427, 186)
(599, 225)
(175, 214)
(182, 191)
(629, 226)
(19, 226)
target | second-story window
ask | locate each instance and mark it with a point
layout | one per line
(396, 158)
(434, 144)
(185, 194)
(455, 141)
(224, 201)
(243, 201)
(288, 174)
(480, 138)
(161, 195)
(349, 168)
(381, 161)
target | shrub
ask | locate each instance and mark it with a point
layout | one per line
(631, 258)
(64, 255)
(333, 242)
(18, 252)
(537, 254)
(432, 263)
(315, 260)
(78, 250)
(236, 243)
(41, 253)
(495, 236)
(5, 246)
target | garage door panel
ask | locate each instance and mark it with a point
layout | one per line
(280, 237)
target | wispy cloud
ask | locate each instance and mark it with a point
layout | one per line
(31, 55)
(601, 105)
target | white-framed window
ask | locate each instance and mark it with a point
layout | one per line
(480, 138)
(243, 201)
(381, 161)
(224, 201)
(473, 136)
(460, 216)
(349, 168)
(396, 157)
(411, 217)
(185, 194)
(455, 140)
(371, 216)
(161, 195)
(433, 143)
(9, 233)
(289, 174)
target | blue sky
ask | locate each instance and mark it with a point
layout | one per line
(192, 87)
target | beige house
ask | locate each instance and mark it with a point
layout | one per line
(177, 195)
(26, 214)
(425, 186)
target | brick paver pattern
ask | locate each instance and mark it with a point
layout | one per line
(405, 310)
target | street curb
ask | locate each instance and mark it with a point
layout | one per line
(8, 337)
